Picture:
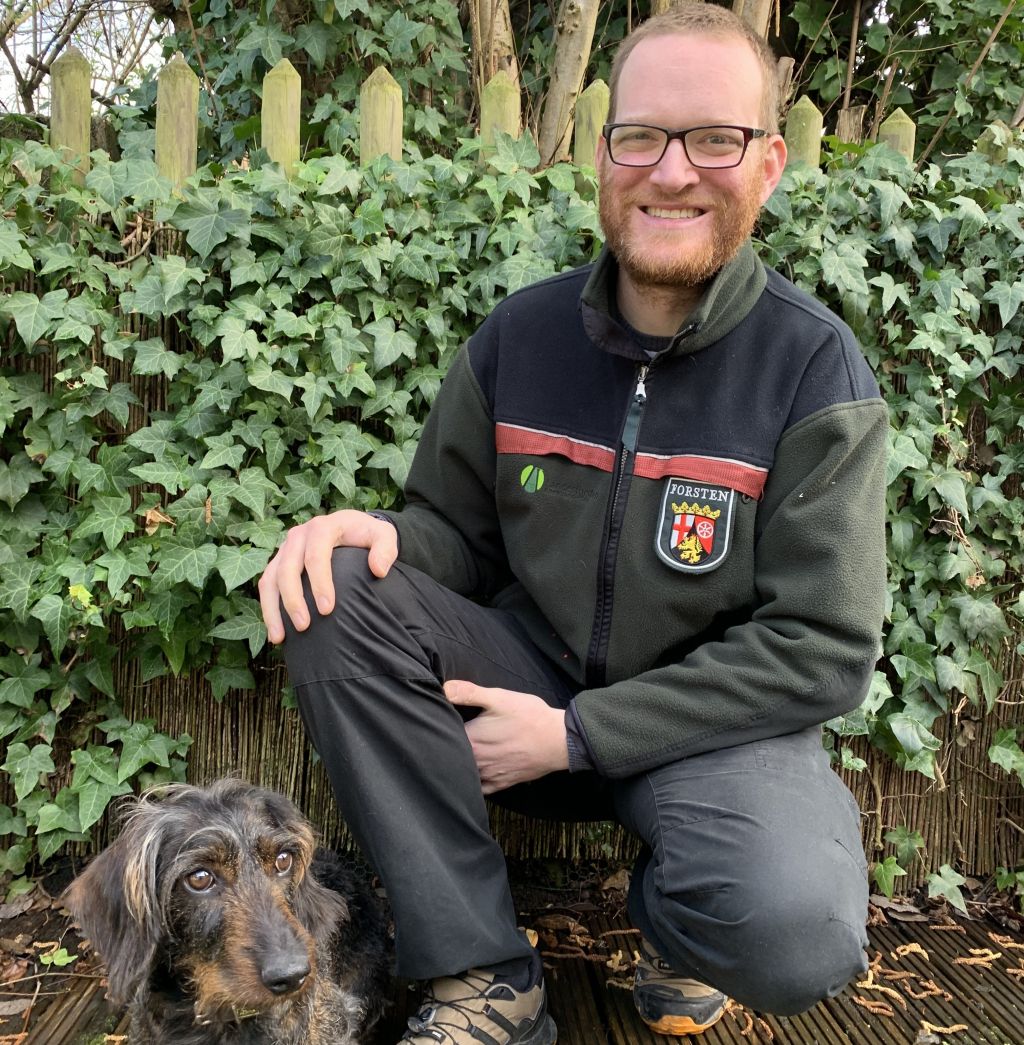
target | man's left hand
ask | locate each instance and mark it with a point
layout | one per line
(515, 738)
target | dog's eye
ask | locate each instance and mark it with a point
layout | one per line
(199, 880)
(283, 862)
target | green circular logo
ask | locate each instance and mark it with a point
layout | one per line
(531, 479)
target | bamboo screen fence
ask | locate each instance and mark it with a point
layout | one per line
(969, 814)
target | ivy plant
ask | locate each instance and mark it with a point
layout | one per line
(291, 336)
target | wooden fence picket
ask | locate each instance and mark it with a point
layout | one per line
(804, 126)
(500, 109)
(177, 120)
(71, 108)
(591, 114)
(280, 115)
(380, 117)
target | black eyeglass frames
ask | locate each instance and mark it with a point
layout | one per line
(713, 147)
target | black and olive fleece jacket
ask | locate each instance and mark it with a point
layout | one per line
(698, 539)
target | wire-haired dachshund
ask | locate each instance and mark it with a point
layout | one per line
(221, 925)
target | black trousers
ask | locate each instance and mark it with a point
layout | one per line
(752, 876)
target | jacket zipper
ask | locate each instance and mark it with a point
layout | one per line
(623, 471)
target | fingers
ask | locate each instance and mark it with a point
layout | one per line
(307, 549)
(467, 694)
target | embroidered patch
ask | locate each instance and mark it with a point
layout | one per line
(694, 525)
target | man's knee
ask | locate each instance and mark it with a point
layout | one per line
(778, 954)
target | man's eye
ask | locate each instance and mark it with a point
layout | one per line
(200, 880)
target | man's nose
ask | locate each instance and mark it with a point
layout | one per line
(674, 169)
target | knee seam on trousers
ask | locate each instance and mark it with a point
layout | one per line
(365, 675)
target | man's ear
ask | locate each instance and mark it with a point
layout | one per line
(774, 163)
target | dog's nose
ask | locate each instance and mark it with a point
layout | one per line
(285, 976)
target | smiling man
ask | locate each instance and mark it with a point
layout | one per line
(641, 561)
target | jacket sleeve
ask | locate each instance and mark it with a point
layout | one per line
(807, 651)
(449, 527)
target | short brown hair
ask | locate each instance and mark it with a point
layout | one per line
(695, 18)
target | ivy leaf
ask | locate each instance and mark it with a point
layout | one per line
(166, 473)
(183, 562)
(93, 798)
(34, 316)
(56, 615)
(266, 379)
(108, 516)
(153, 357)
(981, 618)
(389, 343)
(396, 459)
(17, 478)
(222, 678)
(946, 883)
(140, 746)
(988, 675)
(238, 565)
(906, 842)
(17, 585)
(26, 765)
(247, 625)
(886, 873)
(94, 762)
(1005, 752)
(22, 680)
(1008, 297)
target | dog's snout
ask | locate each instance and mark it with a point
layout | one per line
(285, 975)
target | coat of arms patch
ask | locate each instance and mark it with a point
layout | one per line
(694, 524)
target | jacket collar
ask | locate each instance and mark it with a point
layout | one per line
(726, 301)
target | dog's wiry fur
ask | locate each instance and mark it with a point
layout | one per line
(221, 925)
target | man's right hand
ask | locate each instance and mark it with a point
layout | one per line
(307, 549)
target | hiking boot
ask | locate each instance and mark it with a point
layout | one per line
(478, 1009)
(669, 1003)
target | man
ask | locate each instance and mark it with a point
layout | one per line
(660, 481)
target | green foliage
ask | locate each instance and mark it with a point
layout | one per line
(294, 337)
(925, 269)
(334, 45)
(916, 56)
(946, 883)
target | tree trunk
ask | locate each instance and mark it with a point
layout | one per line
(494, 46)
(574, 35)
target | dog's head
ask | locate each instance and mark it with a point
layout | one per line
(210, 885)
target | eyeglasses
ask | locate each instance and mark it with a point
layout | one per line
(639, 145)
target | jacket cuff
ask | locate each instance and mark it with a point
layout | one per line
(580, 755)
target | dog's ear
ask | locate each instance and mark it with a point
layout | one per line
(114, 902)
(319, 910)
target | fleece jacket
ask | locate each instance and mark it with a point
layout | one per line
(697, 538)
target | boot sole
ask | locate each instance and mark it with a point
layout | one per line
(543, 1033)
(681, 1025)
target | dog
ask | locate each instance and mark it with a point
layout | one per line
(220, 923)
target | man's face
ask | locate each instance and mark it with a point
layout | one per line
(674, 224)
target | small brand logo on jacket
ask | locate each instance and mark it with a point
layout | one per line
(694, 525)
(531, 479)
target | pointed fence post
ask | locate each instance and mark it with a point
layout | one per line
(177, 120)
(591, 114)
(804, 125)
(70, 108)
(279, 118)
(900, 132)
(500, 110)
(380, 117)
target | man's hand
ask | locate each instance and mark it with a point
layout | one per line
(307, 549)
(515, 738)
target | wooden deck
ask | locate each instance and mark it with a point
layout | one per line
(930, 984)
